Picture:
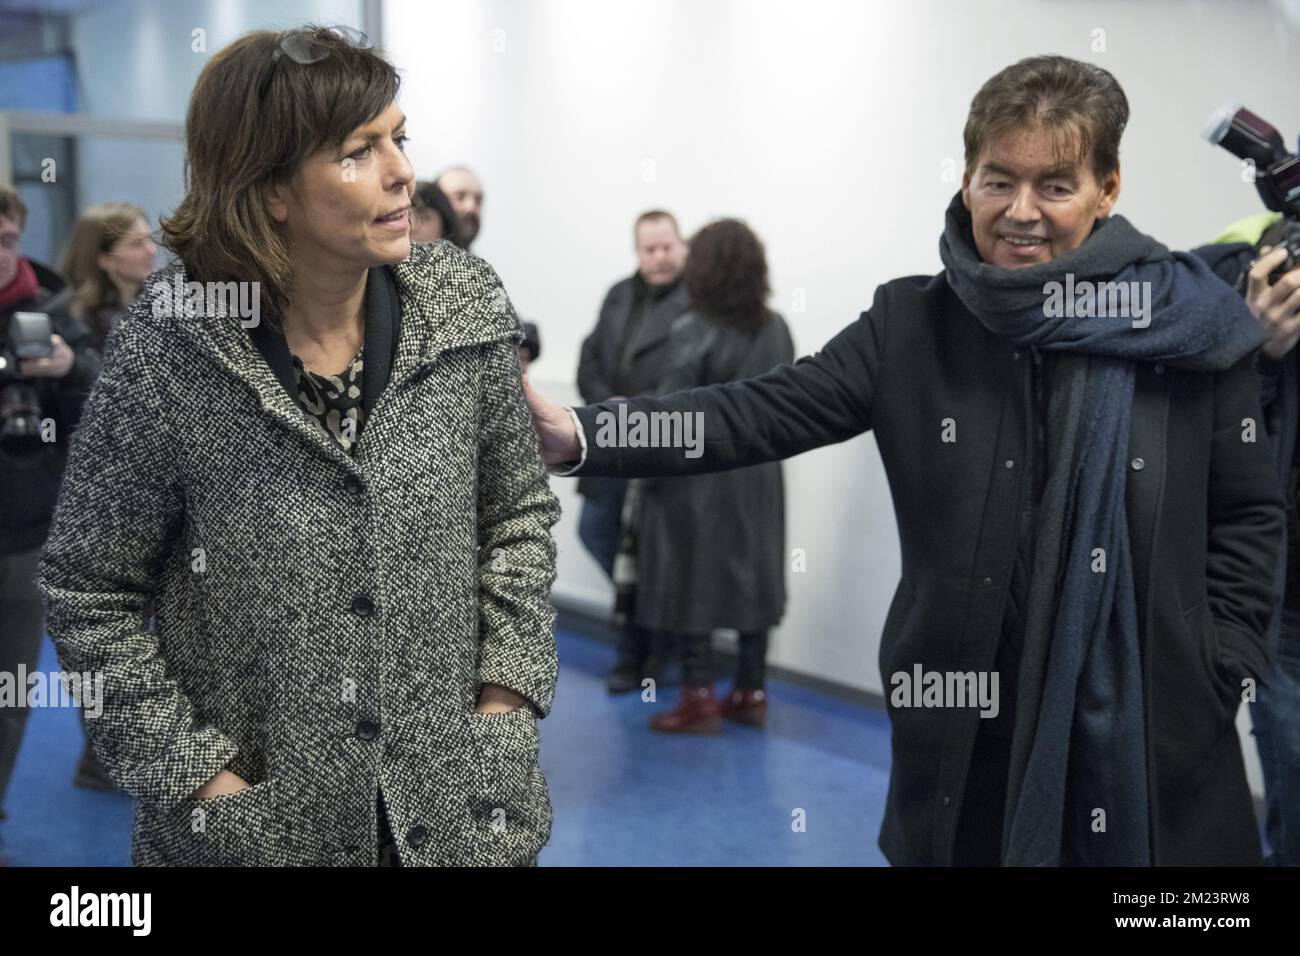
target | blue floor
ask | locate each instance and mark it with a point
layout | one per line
(623, 795)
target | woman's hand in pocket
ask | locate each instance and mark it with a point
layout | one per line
(495, 699)
(223, 783)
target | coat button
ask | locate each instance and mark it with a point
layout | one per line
(1138, 464)
(987, 583)
(362, 606)
(947, 800)
(1015, 356)
(416, 836)
(353, 484)
(1009, 463)
(367, 730)
(1160, 368)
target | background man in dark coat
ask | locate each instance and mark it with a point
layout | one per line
(628, 353)
(1086, 506)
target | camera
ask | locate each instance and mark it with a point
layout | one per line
(28, 336)
(1277, 171)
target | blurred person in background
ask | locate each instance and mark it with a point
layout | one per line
(466, 194)
(108, 256)
(40, 407)
(432, 217)
(530, 349)
(1245, 256)
(710, 549)
(628, 353)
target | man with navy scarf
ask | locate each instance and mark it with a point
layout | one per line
(1085, 499)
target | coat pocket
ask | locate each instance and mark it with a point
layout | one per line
(506, 748)
(1222, 682)
(1189, 711)
(510, 803)
(233, 829)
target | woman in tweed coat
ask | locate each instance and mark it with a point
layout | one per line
(338, 504)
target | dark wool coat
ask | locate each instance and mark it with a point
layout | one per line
(1205, 519)
(651, 348)
(711, 548)
(324, 622)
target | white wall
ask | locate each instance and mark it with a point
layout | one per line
(834, 128)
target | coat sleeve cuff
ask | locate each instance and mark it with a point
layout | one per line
(195, 759)
(537, 692)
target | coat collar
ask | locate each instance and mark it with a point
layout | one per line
(445, 298)
(663, 305)
(383, 322)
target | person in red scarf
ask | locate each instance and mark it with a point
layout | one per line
(40, 405)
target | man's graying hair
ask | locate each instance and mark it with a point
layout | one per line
(1067, 97)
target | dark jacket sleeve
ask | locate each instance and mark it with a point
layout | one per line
(1246, 523)
(819, 400)
(592, 384)
(1230, 261)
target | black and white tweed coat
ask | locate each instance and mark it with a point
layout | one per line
(323, 623)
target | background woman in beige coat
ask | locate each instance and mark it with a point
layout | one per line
(309, 444)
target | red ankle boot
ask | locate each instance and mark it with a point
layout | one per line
(696, 713)
(745, 706)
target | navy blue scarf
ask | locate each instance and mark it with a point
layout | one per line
(1077, 793)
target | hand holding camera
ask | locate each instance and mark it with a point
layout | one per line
(1277, 304)
(56, 365)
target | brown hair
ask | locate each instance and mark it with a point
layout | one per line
(726, 274)
(13, 207)
(429, 199)
(238, 143)
(654, 215)
(1068, 97)
(93, 234)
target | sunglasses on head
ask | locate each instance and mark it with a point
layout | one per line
(305, 47)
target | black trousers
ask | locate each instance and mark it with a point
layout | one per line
(22, 625)
(387, 842)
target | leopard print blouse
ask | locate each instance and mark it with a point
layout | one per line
(334, 401)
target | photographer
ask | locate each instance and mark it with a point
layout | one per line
(40, 403)
(1275, 713)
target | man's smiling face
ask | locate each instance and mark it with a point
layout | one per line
(1028, 204)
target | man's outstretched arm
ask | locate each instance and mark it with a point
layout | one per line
(819, 400)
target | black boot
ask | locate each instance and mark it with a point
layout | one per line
(635, 657)
(751, 662)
